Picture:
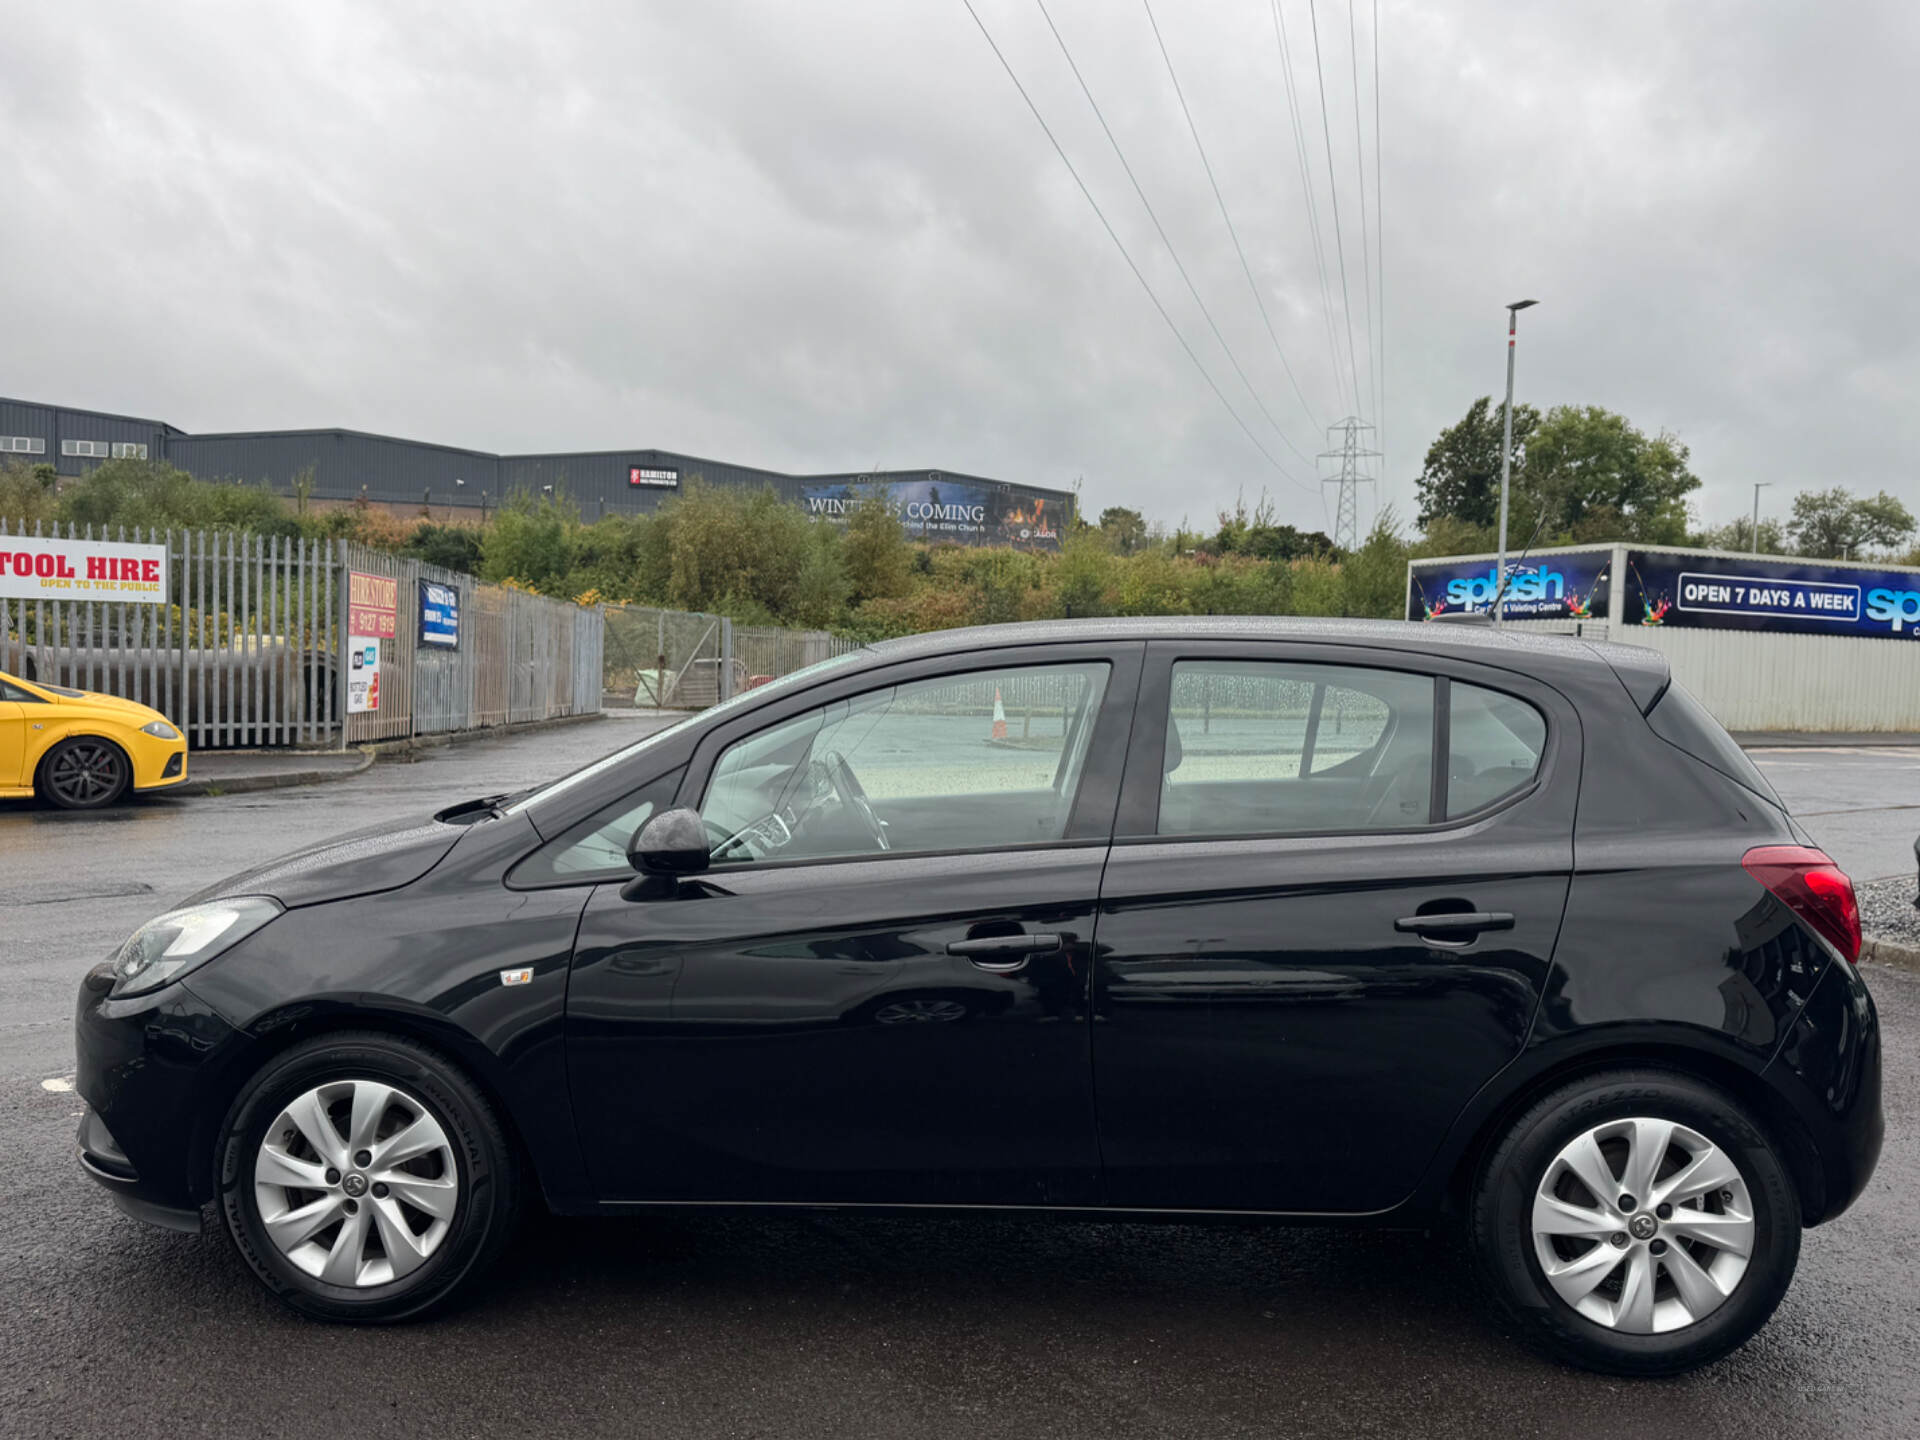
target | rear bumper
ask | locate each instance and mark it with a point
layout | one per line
(1829, 1070)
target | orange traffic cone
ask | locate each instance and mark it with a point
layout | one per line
(999, 716)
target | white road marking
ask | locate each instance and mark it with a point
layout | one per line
(58, 1084)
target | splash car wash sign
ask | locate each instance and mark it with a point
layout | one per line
(1739, 592)
(32, 568)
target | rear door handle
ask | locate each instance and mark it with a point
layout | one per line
(1458, 922)
(1002, 954)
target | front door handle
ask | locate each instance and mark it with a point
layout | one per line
(1455, 924)
(1002, 954)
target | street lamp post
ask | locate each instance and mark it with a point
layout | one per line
(1753, 536)
(1506, 460)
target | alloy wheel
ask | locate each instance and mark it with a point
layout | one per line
(85, 772)
(356, 1183)
(1643, 1225)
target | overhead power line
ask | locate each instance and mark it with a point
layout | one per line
(1333, 186)
(1301, 154)
(1113, 235)
(1220, 200)
(1380, 242)
(1161, 230)
(1366, 243)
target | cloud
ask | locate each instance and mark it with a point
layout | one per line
(831, 236)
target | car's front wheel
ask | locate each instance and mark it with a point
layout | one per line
(365, 1178)
(85, 773)
(1636, 1222)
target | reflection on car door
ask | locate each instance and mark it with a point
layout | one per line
(879, 1028)
(1272, 1028)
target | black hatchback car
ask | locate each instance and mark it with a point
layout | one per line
(1365, 923)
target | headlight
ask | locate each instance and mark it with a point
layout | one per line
(160, 729)
(167, 947)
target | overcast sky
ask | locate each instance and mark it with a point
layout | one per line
(831, 236)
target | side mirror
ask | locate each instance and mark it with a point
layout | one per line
(674, 842)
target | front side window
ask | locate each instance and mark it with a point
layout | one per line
(1256, 747)
(982, 760)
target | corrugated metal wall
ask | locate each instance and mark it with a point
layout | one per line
(1756, 681)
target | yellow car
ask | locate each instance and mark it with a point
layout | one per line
(79, 750)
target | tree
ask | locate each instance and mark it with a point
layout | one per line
(451, 547)
(1262, 536)
(875, 553)
(25, 500)
(1461, 477)
(1738, 535)
(1126, 530)
(532, 541)
(1595, 476)
(1834, 524)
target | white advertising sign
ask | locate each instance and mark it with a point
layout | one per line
(32, 568)
(363, 674)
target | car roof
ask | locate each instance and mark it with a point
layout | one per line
(1643, 672)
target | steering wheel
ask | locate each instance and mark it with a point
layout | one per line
(847, 786)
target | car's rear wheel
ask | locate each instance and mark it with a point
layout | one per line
(364, 1177)
(85, 773)
(1636, 1222)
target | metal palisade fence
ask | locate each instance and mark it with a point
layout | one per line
(515, 657)
(240, 651)
(249, 644)
(687, 660)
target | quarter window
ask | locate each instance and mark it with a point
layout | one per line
(984, 760)
(1268, 748)
(596, 848)
(1494, 743)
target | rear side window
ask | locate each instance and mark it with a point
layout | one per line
(1494, 743)
(1683, 722)
(1256, 747)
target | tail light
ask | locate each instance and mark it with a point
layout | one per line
(1808, 883)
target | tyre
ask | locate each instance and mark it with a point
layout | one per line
(84, 773)
(1636, 1222)
(365, 1178)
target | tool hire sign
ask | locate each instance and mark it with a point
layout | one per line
(32, 568)
(373, 615)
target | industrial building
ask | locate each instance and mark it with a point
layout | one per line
(1765, 642)
(348, 465)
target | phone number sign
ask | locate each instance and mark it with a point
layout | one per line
(373, 605)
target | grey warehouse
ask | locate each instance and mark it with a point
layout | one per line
(344, 466)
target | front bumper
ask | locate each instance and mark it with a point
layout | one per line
(157, 1072)
(161, 771)
(103, 1160)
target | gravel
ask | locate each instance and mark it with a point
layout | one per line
(1886, 910)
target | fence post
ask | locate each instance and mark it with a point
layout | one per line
(342, 600)
(725, 688)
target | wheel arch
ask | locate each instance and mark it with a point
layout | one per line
(1769, 1109)
(40, 765)
(296, 1025)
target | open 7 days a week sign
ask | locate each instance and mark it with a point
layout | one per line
(33, 568)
